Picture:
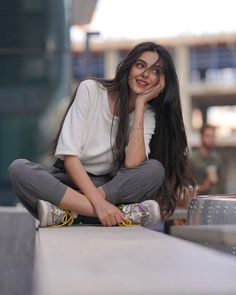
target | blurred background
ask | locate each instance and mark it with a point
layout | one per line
(47, 47)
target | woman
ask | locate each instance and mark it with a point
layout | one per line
(122, 149)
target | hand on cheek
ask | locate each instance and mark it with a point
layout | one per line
(152, 92)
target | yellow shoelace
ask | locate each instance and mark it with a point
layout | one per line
(133, 216)
(127, 223)
(67, 219)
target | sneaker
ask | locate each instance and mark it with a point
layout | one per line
(50, 215)
(146, 213)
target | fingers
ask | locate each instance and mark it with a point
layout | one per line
(147, 91)
(109, 214)
(159, 87)
(154, 91)
(119, 217)
(109, 220)
(105, 220)
(161, 83)
(113, 218)
(102, 220)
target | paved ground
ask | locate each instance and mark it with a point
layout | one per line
(98, 260)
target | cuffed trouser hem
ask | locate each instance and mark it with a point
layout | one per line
(57, 193)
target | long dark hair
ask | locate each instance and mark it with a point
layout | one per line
(169, 142)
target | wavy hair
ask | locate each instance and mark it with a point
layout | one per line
(169, 143)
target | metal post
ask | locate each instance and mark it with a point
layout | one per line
(87, 52)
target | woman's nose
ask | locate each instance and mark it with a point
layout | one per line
(145, 73)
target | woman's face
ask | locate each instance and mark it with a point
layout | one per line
(145, 72)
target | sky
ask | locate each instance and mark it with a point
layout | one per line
(135, 19)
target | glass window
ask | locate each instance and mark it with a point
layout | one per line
(213, 63)
(95, 66)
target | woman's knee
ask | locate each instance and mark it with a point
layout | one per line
(17, 168)
(154, 169)
(151, 175)
(132, 184)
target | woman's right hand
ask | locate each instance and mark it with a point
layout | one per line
(107, 213)
(152, 92)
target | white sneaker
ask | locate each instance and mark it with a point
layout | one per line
(146, 213)
(50, 215)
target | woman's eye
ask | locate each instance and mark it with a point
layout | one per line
(157, 71)
(139, 65)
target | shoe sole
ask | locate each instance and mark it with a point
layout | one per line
(42, 208)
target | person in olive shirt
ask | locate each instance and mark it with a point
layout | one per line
(208, 164)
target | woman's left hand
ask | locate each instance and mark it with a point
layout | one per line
(152, 92)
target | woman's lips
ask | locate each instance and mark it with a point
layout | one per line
(142, 83)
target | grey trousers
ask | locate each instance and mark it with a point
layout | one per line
(31, 182)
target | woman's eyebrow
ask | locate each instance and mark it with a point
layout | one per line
(154, 64)
(139, 59)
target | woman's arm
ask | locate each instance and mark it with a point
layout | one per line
(136, 152)
(107, 213)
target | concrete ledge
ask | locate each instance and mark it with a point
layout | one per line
(98, 260)
(179, 213)
(216, 234)
(17, 244)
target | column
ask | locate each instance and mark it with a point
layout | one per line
(182, 62)
(111, 60)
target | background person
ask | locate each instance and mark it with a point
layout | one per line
(208, 164)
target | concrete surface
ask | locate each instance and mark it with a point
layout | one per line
(17, 245)
(216, 234)
(179, 213)
(98, 260)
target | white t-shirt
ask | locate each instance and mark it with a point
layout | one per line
(87, 127)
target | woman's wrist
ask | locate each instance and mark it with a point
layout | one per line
(137, 128)
(140, 102)
(139, 114)
(98, 202)
(95, 197)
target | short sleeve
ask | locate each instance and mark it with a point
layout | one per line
(71, 139)
(149, 127)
